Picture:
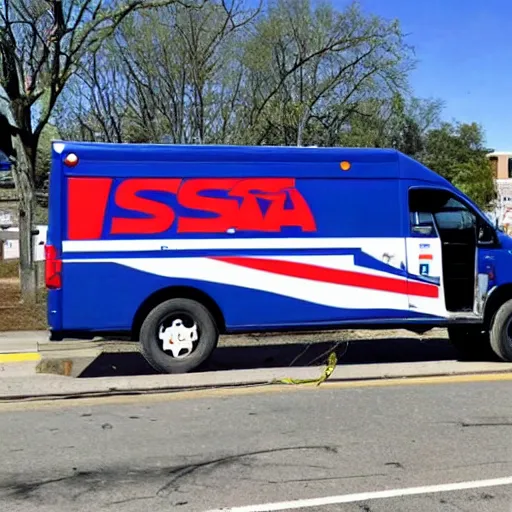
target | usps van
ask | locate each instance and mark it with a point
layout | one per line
(178, 244)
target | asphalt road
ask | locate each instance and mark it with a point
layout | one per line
(231, 450)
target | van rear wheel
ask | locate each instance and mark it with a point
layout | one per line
(501, 332)
(472, 343)
(178, 335)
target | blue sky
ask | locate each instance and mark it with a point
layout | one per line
(464, 49)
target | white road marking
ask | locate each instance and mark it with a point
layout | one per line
(366, 496)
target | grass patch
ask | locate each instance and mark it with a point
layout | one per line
(9, 269)
(15, 316)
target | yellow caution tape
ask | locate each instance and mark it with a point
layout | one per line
(328, 371)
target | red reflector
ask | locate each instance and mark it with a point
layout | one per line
(53, 268)
(71, 160)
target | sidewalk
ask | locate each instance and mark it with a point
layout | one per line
(21, 341)
(49, 387)
(21, 346)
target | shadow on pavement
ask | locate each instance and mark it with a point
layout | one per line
(288, 354)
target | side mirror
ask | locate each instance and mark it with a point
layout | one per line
(485, 234)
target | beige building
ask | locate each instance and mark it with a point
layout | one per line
(502, 164)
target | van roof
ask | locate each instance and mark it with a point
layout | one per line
(230, 161)
(193, 152)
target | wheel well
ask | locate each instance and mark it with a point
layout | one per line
(495, 301)
(174, 292)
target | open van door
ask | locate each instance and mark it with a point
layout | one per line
(444, 248)
(424, 265)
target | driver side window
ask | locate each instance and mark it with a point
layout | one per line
(449, 214)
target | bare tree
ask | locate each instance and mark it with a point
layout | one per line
(177, 74)
(181, 74)
(291, 74)
(312, 65)
(41, 44)
(96, 101)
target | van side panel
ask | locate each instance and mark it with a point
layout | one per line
(271, 252)
(277, 237)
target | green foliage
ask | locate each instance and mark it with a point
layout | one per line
(457, 152)
(43, 161)
(311, 66)
(400, 123)
(475, 179)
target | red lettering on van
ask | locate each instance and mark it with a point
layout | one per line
(225, 209)
(159, 216)
(86, 205)
(239, 207)
(276, 192)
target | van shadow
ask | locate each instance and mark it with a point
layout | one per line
(375, 351)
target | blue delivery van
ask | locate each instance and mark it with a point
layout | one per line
(176, 245)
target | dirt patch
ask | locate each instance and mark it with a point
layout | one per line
(16, 316)
(9, 269)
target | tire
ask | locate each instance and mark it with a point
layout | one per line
(151, 345)
(471, 342)
(501, 332)
(55, 336)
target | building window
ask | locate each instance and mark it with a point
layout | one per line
(510, 167)
(494, 166)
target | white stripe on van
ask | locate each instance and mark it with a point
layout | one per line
(191, 244)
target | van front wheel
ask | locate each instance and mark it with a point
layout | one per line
(501, 332)
(178, 335)
(471, 342)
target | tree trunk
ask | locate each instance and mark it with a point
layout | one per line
(23, 177)
(27, 264)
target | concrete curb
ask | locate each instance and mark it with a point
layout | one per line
(46, 387)
(69, 359)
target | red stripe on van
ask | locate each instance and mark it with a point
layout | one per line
(334, 276)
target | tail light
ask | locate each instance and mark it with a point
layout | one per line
(53, 268)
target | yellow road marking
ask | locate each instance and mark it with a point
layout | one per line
(152, 397)
(19, 357)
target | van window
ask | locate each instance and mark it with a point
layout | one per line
(454, 215)
(448, 214)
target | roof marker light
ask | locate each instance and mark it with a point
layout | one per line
(71, 160)
(345, 166)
